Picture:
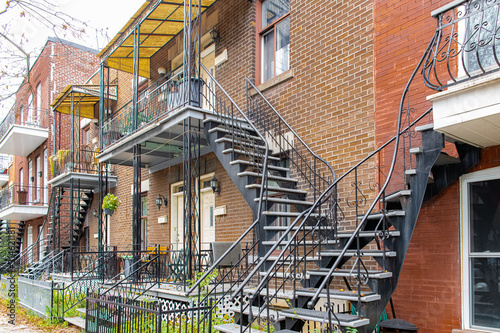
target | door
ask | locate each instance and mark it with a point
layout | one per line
(207, 218)
(29, 243)
(45, 176)
(38, 182)
(40, 243)
(30, 182)
(177, 225)
(208, 60)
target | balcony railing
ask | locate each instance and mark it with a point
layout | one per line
(24, 116)
(22, 195)
(154, 103)
(4, 164)
(466, 43)
(83, 160)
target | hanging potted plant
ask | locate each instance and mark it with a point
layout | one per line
(110, 203)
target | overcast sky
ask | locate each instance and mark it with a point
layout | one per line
(104, 17)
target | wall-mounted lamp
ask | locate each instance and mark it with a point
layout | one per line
(214, 184)
(40, 174)
(32, 179)
(94, 213)
(162, 70)
(214, 34)
(160, 200)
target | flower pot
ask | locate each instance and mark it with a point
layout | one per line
(108, 211)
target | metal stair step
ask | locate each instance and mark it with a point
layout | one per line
(272, 292)
(307, 227)
(307, 242)
(341, 294)
(396, 196)
(372, 274)
(242, 152)
(286, 201)
(269, 177)
(392, 233)
(286, 214)
(392, 213)
(416, 150)
(255, 311)
(320, 316)
(278, 189)
(240, 143)
(225, 130)
(351, 253)
(233, 328)
(423, 128)
(259, 165)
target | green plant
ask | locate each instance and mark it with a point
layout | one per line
(111, 202)
(52, 163)
(203, 286)
(62, 154)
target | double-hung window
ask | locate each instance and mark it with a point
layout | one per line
(481, 249)
(275, 38)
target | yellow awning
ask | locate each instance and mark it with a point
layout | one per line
(84, 100)
(159, 21)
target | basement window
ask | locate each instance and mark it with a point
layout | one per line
(481, 249)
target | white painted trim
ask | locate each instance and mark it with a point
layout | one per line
(482, 175)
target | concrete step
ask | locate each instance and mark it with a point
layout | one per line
(320, 316)
(269, 177)
(77, 321)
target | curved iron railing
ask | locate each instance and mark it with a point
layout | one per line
(466, 43)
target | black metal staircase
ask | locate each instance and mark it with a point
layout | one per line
(11, 235)
(318, 241)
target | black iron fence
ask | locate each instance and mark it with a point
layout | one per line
(22, 195)
(107, 313)
(83, 160)
(155, 102)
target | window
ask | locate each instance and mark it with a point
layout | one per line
(86, 135)
(275, 38)
(38, 111)
(481, 248)
(480, 37)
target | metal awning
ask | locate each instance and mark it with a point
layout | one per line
(85, 98)
(158, 22)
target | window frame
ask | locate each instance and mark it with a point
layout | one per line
(260, 33)
(465, 180)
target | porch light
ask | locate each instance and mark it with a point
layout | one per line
(94, 213)
(160, 200)
(214, 184)
(214, 34)
(162, 70)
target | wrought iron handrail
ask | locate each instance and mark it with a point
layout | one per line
(466, 43)
(22, 195)
(276, 127)
(297, 269)
(228, 118)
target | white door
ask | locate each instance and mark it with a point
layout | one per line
(178, 224)
(45, 176)
(208, 60)
(30, 182)
(40, 244)
(207, 218)
(30, 242)
(38, 179)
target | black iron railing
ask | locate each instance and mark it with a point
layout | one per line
(82, 160)
(466, 43)
(22, 195)
(155, 102)
(28, 116)
(121, 314)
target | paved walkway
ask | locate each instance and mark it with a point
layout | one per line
(23, 326)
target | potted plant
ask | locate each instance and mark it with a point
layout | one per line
(110, 203)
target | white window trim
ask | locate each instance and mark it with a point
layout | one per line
(483, 175)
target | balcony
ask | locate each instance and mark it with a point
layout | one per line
(81, 167)
(164, 112)
(463, 66)
(4, 169)
(22, 203)
(23, 130)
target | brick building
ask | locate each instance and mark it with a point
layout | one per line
(327, 142)
(28, 134)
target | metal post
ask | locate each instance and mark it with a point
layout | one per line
(100, 180)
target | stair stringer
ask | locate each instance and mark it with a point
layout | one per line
(232, 170)
(432, 144)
